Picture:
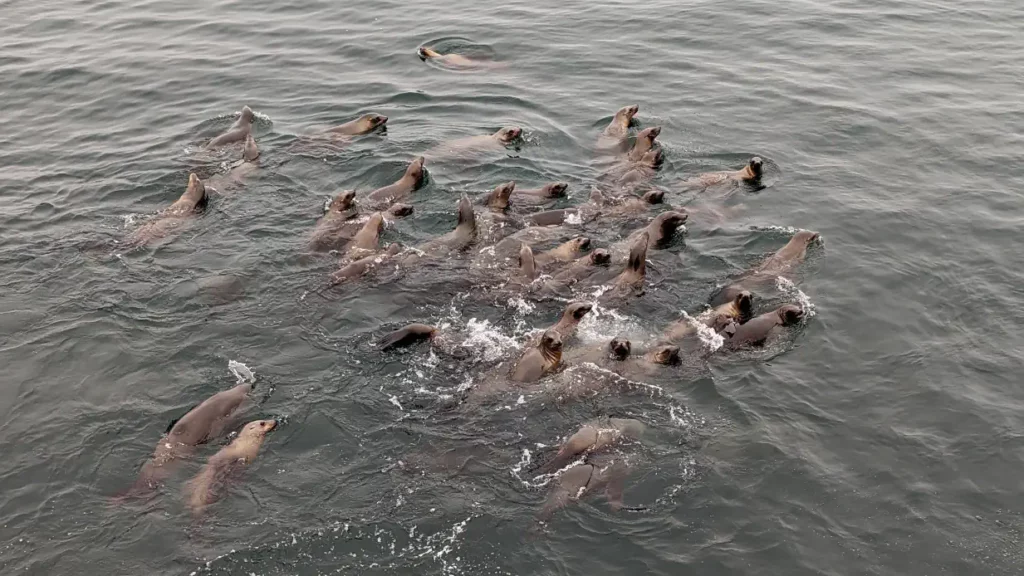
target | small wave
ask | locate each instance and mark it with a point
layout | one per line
(243, 375)
(710, 339)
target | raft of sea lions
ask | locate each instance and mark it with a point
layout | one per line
(542, 254)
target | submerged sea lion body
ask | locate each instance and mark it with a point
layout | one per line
(642, 171)
(567, 322)
(756, 331)
(461, 238)
(492, 224)
(542, 195)
(367, 240)
(206, 421)
(408, 335)
(603, 471)
(238, 131)
(631, 280)
(750, 174)
(564, 252)
(455, 60)
(363, 266)
(582, 268)
(206, 487)
(172, 218)
(739, 309)
(472, 144)
(410, 181)
(778, 264)
(363, 125)
(614, 136)
(591, 437)
(249, 164)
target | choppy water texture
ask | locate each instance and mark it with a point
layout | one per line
(884, 438)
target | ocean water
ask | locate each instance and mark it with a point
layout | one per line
(881, 436)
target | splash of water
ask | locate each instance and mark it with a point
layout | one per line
(243, 375)
(787, 286)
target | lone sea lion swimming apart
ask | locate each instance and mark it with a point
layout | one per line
(207, 486)
(238, 131)
(456, 60)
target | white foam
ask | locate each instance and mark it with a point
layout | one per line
(487, 340)
(242, 372)
(787, 286)
(711, 340)
(573, 218)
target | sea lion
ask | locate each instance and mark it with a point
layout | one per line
(603, 470)
(754, 332)
(367, 240)
(461, 238)
(528, 270)
(540, 360)
(541, 195)
(593, 436)
(793, 253)
(335, 228)
(750, 174)
(168, 220)
(778, 264)
(739, 309)
(206, 487)
(645, 142)
(496, 141)
(410, 181)
(582, 268)
(205, 422)
(570, 319)
(661, 229)
(564, 252)
(613, 138)
(249, 163)
(408, 335)
(498, 199)
(628, 205)
(630, 281)
(238, 131)
(492, 224)
(454, 60)
(643, 170)
(362, 266)
(363, 125)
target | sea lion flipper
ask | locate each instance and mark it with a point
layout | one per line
(527, 262)
(407, 336)
(638, 254)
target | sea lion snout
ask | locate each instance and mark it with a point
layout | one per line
(745, 302)
(653, 158)
(666, 354)
(580, 309)
(247, 115)
(600, 257)
(790, 314)
(509, 133)
(551, 341)
(399, 210)
(756, 165)
(380, 120)
(651, 133)
(558, 189)
(632, 110)
(655, 197)
(619, 348)
(582, 243)
(343, 201)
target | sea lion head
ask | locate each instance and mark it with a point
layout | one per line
(649, 135)
(527, 262)
(376, 222)
(372, 121)
(400, 210)
(257, 429)
(667, 223)
(578, 244)
(408, 335)
(551, 344)
(508, 134)
(744, 302)
(498, 199)
(653, 158)
(600, 257)
(415, 171)
(575, 311)
(806, 237)
(250, 152)
(654, 197)
(555, 189)
(247, 115)
(619, 348)
(343, 201)
(196, 192)
(790, 314)
(756, 166)
(664, 354)
(625, 115)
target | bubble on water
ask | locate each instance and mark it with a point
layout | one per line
(243, 375)
(573, 218)
(489, 342)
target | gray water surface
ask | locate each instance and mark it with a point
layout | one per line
(883, 436)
